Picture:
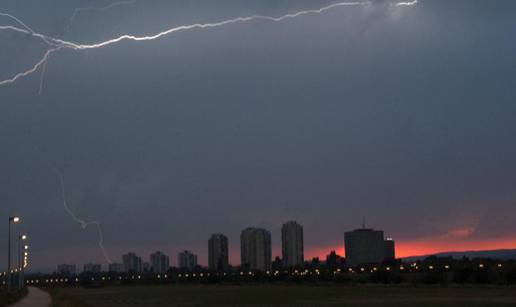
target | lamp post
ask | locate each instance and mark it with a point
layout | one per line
(25, 262)
(21, 269)
(12, 220)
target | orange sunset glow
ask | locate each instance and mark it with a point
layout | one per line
(410, 248)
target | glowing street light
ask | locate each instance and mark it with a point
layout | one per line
(12, 220)
(21, 276)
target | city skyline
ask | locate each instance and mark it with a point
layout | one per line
(362, 247)
(235, 252)
(402, 114)
(250, 238)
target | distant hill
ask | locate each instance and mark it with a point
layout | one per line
(501, 254)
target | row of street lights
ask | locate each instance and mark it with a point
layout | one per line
(23, 256)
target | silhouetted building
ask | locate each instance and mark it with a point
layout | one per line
(389, 250)
(116, 268)
(146, 266)
(277, 264)
(292, 244)
(333, 261)
(255, 249)
(187, 260)
(365, 246)
(160, 263)
(132, 263)
(67, 269)
(316, 262)
(218, 255)
(92, 268)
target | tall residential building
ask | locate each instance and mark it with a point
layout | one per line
(116, 268)
(292, 244)
(160, 263)
(67, 269)
(92, 268)
(187, 260)
(132, 263)
(365, 246)
(255, 249)
(218, 255)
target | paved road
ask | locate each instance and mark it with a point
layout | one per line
(35, 298)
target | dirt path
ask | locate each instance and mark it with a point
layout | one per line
(35, 298)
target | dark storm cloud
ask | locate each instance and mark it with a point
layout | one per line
(403, 116)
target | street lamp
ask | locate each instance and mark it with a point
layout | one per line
(21, 266)
(26, 257)
(12, 220)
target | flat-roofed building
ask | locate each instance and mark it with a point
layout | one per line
(292, 244)
(255, 249)
(92, 268)
(67, 269)
(160, 263)
(218, 254)
(116, 267)
(367, 246)
(187, 260)
(132, 263)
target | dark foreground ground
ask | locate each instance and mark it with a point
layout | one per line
(15, 296)
(286, 295)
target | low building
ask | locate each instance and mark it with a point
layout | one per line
(67, 269)
(146, 267)
(132, 263)
(187, 260)
(116, 268)
(367, 246)
(92, 268)
(333, 261)
(160, 263)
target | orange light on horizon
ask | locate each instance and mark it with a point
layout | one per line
(426, 247)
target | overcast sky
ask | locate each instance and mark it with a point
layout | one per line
(405, 116)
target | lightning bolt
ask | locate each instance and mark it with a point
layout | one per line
(17, 21)
(26, 28)
(42, 77)
(56, 44)
(96, 9)
(411, 3)
(84, 224)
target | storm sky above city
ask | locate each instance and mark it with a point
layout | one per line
(404, 116)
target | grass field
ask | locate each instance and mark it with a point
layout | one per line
(287, 295)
